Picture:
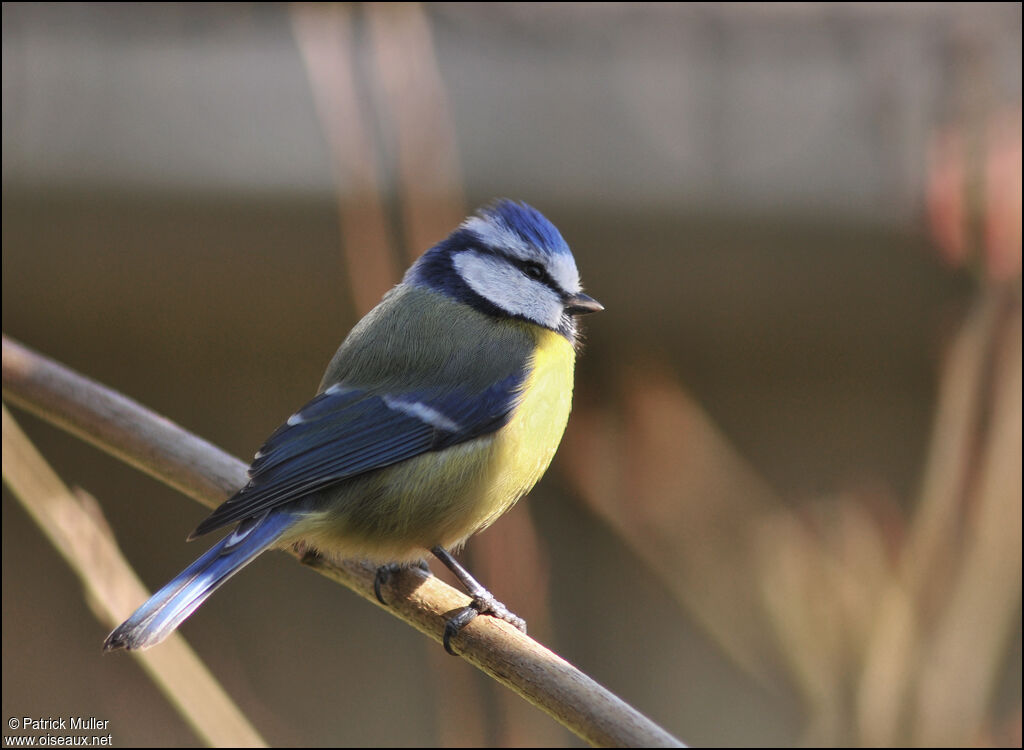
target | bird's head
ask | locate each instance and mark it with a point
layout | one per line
(508, 261)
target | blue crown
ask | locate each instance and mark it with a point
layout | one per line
(514, 223)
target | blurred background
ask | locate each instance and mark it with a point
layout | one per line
(788, 506)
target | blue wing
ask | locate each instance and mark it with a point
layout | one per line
(345, 432)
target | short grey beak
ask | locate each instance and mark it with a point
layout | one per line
(581, 304)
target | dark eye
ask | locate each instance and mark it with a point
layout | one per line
(534, 271)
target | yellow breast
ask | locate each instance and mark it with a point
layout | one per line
(521, 452)
(444, 497)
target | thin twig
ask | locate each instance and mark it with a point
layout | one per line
(134, 434)
(323, 33)
(415, 100)
(87, 544)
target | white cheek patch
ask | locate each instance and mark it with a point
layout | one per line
(563, 270)
(506, 287)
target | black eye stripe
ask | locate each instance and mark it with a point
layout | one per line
(531, 269)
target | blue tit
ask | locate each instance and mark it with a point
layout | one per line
(442, 407)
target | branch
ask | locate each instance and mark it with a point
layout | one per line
(164, 450)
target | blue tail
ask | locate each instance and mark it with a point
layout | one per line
(168, 608)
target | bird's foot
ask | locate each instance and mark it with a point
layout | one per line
(384, 573)
(483, 604)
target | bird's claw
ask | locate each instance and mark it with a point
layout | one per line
(384, 573)
(481, 605)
